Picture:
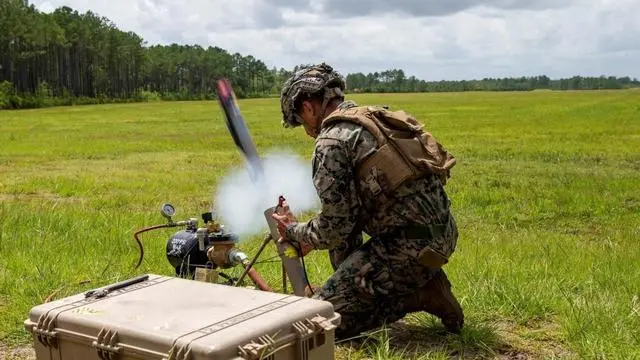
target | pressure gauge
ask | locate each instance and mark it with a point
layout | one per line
(168, 210)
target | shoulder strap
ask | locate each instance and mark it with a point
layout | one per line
(403, 133)
(358, 115)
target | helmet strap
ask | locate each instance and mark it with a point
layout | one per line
(329, 94)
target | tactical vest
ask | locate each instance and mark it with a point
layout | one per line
(405, 151)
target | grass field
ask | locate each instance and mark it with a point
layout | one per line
(546, 192)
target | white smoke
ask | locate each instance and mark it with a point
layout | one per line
(240, 203)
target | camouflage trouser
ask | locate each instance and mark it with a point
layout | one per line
(391, 275)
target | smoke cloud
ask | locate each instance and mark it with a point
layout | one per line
(240, 203)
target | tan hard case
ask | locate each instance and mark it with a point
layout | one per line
(178, 319)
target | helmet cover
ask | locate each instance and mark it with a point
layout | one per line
(310, 80)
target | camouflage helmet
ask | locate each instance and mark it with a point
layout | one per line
(310, 80)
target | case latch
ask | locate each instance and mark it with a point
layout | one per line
(258, 350)
(107, 345)
(312, 334)
(305, 330)
(323, 323)
(44, 331)
(181, 353)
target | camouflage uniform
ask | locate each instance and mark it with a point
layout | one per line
(388, 260)
(378, 281)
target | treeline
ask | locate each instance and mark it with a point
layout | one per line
(395, 80)
(66, 57)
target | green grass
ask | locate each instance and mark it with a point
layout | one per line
(546, 192)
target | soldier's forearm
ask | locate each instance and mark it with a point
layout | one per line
(323, 233)
(303, 232)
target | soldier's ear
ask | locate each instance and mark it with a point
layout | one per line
(307, 110)
(316, 106)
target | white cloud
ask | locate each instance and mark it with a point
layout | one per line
(468, 39)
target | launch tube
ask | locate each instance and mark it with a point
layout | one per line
(288, 255)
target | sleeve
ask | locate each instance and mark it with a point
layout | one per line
(333, 179)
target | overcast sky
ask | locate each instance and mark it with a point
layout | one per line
(431, 39)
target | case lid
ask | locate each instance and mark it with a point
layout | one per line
(179, 319)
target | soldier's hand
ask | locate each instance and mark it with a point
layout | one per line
(284, 217)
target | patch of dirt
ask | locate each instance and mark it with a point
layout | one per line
(475, 342)
(502, 340)
(17, 353)
(541, 339)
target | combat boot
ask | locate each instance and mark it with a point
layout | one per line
(437, 299)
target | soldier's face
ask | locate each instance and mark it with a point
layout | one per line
(309, 115)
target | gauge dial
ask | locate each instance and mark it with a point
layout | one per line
(168, 210)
